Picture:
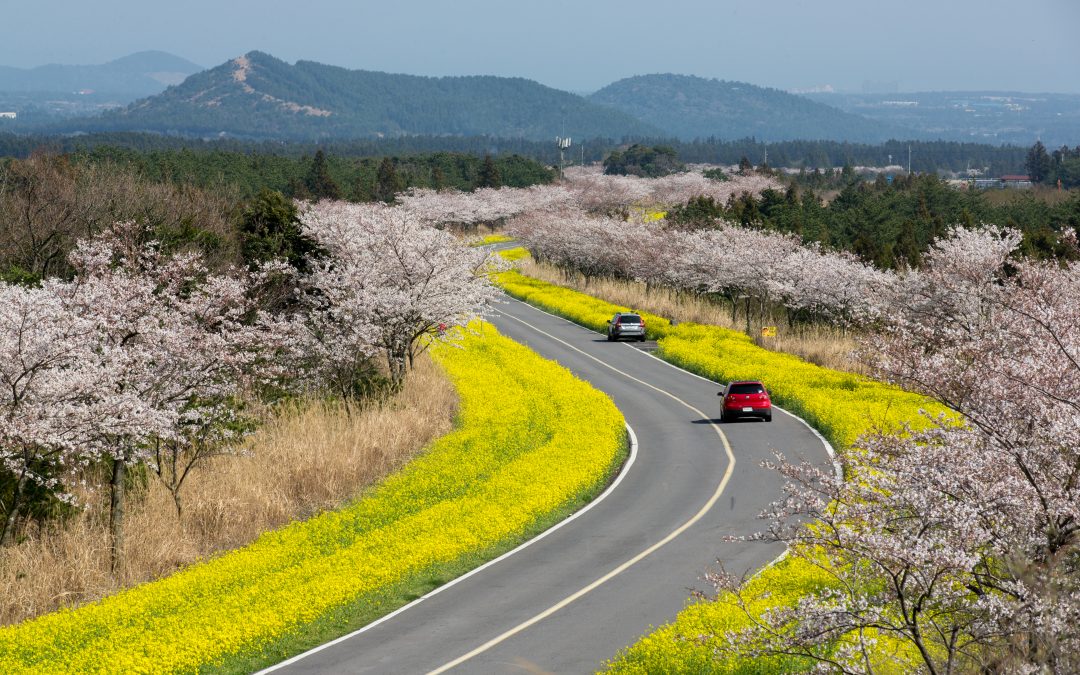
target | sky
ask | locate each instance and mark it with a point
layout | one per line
(580, 46)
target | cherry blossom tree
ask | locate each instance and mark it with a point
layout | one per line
(389, 284)
(961, 539)
(48, 391)
(179, 344)
(484, 205)
(140, 359)
(755, 267)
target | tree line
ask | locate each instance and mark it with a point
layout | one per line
(891, 223)
(926, 156)
(1058, 168)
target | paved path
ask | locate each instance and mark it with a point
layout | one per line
(569, 602)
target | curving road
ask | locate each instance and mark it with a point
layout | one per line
(569, 601)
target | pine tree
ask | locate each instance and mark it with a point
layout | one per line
(489, 174)
(1038, 163)
(387, 181)
(318, 182)
(438, 178)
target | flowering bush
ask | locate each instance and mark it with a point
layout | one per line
(549, 441)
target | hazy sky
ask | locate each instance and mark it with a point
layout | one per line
(1024, 45)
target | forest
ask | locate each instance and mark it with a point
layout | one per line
(891, 223)
(926, 156)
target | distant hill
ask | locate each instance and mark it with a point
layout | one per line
(137, 75)
(259, 96)
(975, 116)
(694, 107)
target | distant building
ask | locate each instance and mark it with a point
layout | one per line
(1011, 181)
(1016, 181)
(8, 115)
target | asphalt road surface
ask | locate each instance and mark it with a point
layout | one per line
(573, 599)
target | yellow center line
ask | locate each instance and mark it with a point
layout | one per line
(632, 561)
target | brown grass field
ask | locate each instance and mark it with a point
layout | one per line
(307, 458)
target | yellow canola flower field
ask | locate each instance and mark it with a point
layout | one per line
(497, 238)
(842, 406)
(532, 439)
(580, 308)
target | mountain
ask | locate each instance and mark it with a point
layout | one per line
(137, 75)
(259, 96)
(694, 107)
(975, 116)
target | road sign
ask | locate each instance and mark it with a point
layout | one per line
(768, 331)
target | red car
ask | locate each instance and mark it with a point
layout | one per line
(747, 398)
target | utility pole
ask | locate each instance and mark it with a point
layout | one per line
(909, 159)
(563, 144)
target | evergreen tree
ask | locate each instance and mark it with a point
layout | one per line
(387, 181)
(318, 182)
(270, 230)
(1038, 163)
(438, 178)
(489, 174)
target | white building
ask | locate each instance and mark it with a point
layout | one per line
(8, 115)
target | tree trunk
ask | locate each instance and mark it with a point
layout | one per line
(13, 513)
(116, 514)
(396, 359)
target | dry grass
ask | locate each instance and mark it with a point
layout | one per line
(1050, 196)
(307, 458)
(824, 345)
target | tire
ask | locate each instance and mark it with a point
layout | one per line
(768, 416)
(725, 417)
(610, 338)
(641, 339)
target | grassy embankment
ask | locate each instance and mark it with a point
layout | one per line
(533, 443)
(306, 458)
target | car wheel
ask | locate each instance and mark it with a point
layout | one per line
(768, 416)
(610, 338)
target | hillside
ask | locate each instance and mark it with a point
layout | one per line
(258, 96)
(694, 107)
(980, 116)
(141, 74)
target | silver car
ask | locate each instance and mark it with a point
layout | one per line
(626, 325)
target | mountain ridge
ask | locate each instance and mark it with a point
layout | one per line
(140, 74)
(257, 95)
(691, 107)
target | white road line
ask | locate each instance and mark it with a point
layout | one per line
(829, 449)
(632, 561)
(824, 441)
(577, 514)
